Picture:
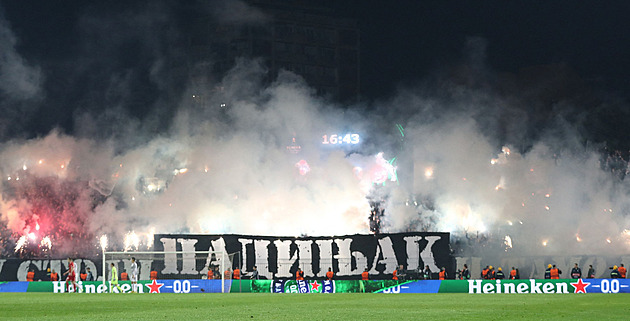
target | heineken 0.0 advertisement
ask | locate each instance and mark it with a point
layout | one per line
(314, 286)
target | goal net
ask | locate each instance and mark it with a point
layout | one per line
(175, 265)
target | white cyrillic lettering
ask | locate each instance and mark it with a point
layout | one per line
(170, 259)
(306, 256)
(244, 243)
(285, 259)
(188, 259)
(386, 249)
(427, 254)
(325, 255)
(413, 251)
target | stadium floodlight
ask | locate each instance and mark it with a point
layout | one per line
(170, 264)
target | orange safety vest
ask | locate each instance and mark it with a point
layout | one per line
(237, 274)
(210, 274)
(622, 271)
(395, 275)
(364, 276)
(513, 274)
(124, 276)
(227, 274)
(30, 276)
(329, 275)
(554, 274)
(54, 277)
(442, 275)
(153, 275)
(83, 276)
(484, 273)
(299, 275)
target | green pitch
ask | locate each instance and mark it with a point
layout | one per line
(72, 306)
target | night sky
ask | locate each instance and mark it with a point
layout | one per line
(547, 52)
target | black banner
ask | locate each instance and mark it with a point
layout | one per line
(279, 257)
(15, 269)
(275, 257)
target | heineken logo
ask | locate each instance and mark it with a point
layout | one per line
(527, 286)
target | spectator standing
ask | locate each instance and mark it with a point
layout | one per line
(576, 272)
(90, 276)
(465, 274)
(591, 272)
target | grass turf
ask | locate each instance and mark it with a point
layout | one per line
(71, 306)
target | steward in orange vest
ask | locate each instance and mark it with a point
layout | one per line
(54, 276)
(513, 274)
(124, 276)
(484, 273)
(329, 274)
(153, 275)
(364, 275)
(395, 277)
(83, 276)
(237, 274)
(622, 271)
(210, 273)
(299, 275)
(490, 273)
(30, 276)
(442, 274)
(227, 274)
(554, 273)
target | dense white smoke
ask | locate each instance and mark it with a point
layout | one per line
(239, 156)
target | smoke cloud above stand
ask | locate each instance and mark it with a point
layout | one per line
(241, 155)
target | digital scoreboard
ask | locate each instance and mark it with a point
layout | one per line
(340, 139)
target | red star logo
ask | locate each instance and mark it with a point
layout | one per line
(315, 286)
(580, 287)
(154, 286)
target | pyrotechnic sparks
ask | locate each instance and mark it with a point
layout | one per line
(37, 226)
(578, 238)
(46, 243)
(508, 242)
(20, 243)
(103, 242)
(608, 240)
(24, 167)
(547, 207)
(131, 241)
(32, 236)
(544, 243)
